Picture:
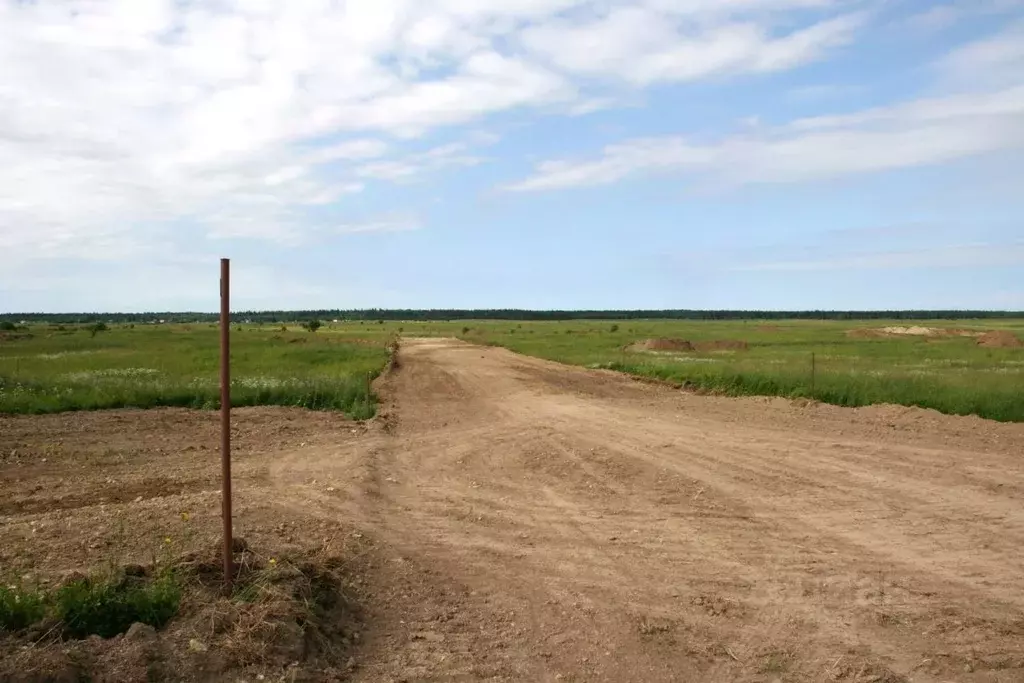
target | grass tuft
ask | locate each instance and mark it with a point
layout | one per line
(103, 606)
(20, 607)
(91, 606)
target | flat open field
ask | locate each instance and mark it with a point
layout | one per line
(962, 367)
(506, 518)
(965, 367)
(51, 368)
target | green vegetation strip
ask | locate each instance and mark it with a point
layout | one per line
(50, 367)
(949, 373)
(92, 605)
(53, 368)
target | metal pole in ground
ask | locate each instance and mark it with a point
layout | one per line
(225, 417)
(812, 374)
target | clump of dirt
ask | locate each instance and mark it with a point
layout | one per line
(685, 345)
(865, 333)
(1000, 339)
(911, 331)
(284, 614)
(661, 345)
(722, 345)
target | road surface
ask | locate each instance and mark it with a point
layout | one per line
(556, 523)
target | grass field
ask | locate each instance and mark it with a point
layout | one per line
(149, 365)
(48, 369)
(952, 374)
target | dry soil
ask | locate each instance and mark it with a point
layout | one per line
(518, 519)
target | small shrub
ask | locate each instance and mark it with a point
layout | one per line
(108, 607)
(465, 330)
(613, 328)
(7, 326)
(96, 328)
(20, 608)
(312, 325)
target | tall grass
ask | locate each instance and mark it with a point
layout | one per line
(175, 365)
(147, 366)
(949, 374)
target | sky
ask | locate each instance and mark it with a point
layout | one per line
(753, 154)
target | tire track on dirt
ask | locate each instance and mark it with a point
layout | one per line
(612, 530)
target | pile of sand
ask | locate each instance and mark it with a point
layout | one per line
(661, 345)
(722, 345)
(1000, 339)
(684, 345)
(912, 331)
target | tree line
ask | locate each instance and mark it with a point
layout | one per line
(444, 314)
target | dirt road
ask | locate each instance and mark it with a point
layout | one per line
(511, 519)
(578, 525)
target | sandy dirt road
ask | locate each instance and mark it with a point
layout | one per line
(566, 524)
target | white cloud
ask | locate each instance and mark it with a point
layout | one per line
(958, 256)
(348, 150)
(944, 15)
(993, 61)
(415, 165)
(392, 223)
(644, 46)
(117, 118)
(916, 133)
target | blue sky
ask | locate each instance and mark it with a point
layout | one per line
(775, 154)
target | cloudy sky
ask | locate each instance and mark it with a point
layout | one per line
(512, 153)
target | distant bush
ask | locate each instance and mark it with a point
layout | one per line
(613, 328)
(7, 326)
(96, 328)
(312, 325)
(465, 330)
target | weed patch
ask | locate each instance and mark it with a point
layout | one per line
(90, 606)
(20, 607)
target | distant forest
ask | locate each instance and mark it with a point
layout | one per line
(374, 315)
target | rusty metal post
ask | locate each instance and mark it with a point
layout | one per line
(813, 372)
(225, 418)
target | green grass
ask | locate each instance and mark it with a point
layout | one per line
(20, 607)
(950, 374)
(103, 606)
(152, 365)
(47, 369)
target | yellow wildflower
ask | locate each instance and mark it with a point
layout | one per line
(184, 516)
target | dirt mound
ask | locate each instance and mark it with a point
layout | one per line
(685, 345)
(284, 612)
(661, 345)
(1000, 339)
(722, 345)
(911, 331)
